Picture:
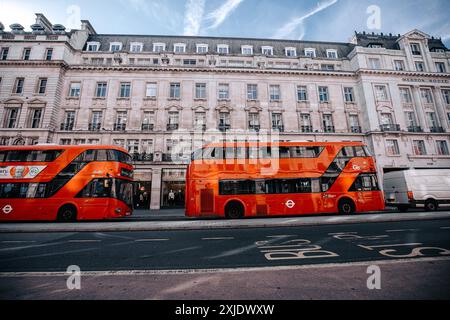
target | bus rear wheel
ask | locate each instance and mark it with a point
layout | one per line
(346, 206)
(67, 213)
(234, 210)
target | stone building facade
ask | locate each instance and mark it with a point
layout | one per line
(160, 97)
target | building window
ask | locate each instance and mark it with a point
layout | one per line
(302, 93)
(202, 48)
(200, 91)
(442, 148)
(405, 95)
(332, 54)
(375, 46)
(327, 67)
(69, 121)
(381, 93)
(49, 54)
(253, 121)
(328, 124)
(159, 47)
(354, 123)
(35, 118)
(96, 121)
(310, 52)
(4, 54)
(291, 52)
(415, 49)
(252, 92)
(419, 66)
(432, 120)
(267, 51)
(42, 86)
(133, 146)
(119, 143)
(410, 119)
(65, 142)
(224, 91)
(101, 89)
(151, 90)
(399, 65)
(11, 117)
(148, 121)
(200, 121)
(427, 97)
(305, 123)
(18, 86)
(440, 67)
(26, 54)
(136, 47)
(446, 96)
(92, 46)
(179, 48)
(174, 119)
(277, 122)
(323, 94)
(392, 147)
(275, 93)
(348, 95)
(121, 121)
(175, 90)
(374, 63)
(115, 46)
(224, 121)
(386, 119)
(419, 148)
(75, 89)
(125, 90)
(222, 49)
(247, 50)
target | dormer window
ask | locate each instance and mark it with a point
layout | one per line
(332, 54)
(115, 46)
(179, 48)
(374, 45)
(202, 48)
(159, 47)
(93, 46)
(267, 51)
(291, 52)
(222, 49)
(247, 50)
(136, 47)
(415, 49)
(310, 52)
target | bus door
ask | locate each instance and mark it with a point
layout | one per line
(96, 197)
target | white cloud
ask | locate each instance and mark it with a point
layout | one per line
(219, 15)
(193, 17)
(289, 28)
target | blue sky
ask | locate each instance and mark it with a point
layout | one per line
(323, 20)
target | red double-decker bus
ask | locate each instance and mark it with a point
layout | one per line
(65, 183)
(236, 180)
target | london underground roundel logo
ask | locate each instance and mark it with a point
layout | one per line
(290, 204)
(7, 209)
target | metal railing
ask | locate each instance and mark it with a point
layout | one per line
(390, 127)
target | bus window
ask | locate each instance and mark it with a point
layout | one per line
(29, 155)
(365, 182)
(347, 152)
(359, 152)
(217, 153)
(2, 156)
(102, 155)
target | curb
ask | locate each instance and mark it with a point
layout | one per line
(218, 224)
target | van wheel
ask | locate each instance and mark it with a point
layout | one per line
(67, 213)
(346, 206)
(431, 205)
(234, 210)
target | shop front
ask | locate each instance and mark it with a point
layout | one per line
(142, 190)
(173, 188)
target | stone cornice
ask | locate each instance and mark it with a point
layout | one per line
(35, 63)
(403, 73)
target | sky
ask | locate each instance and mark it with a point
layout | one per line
(315, 20)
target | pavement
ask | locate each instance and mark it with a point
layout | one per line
(172, 220)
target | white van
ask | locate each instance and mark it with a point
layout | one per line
(422, 188)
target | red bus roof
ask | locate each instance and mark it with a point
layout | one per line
(283, 144)
(63, 147)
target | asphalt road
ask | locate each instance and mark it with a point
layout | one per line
(332, 259)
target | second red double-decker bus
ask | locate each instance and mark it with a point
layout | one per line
(236, 180)
(65, 183)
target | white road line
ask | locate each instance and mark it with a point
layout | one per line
(402, 230)
(150, 240)
(223, 270)
(14, 242)
(444, 228)
(83, 241)
(223, 238)
(281, 236)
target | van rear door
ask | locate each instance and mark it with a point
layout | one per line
(396, 188)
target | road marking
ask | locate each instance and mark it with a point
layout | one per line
(18, 242)
(389, 245)
(342, 233)
(84, 241)
(402, 230)
(150, 240)
(445, 228)
(223, 238)
(281, 236)
(223, 270)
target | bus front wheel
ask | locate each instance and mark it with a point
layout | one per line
(234, 210)
(67, 213)
(346, 206)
